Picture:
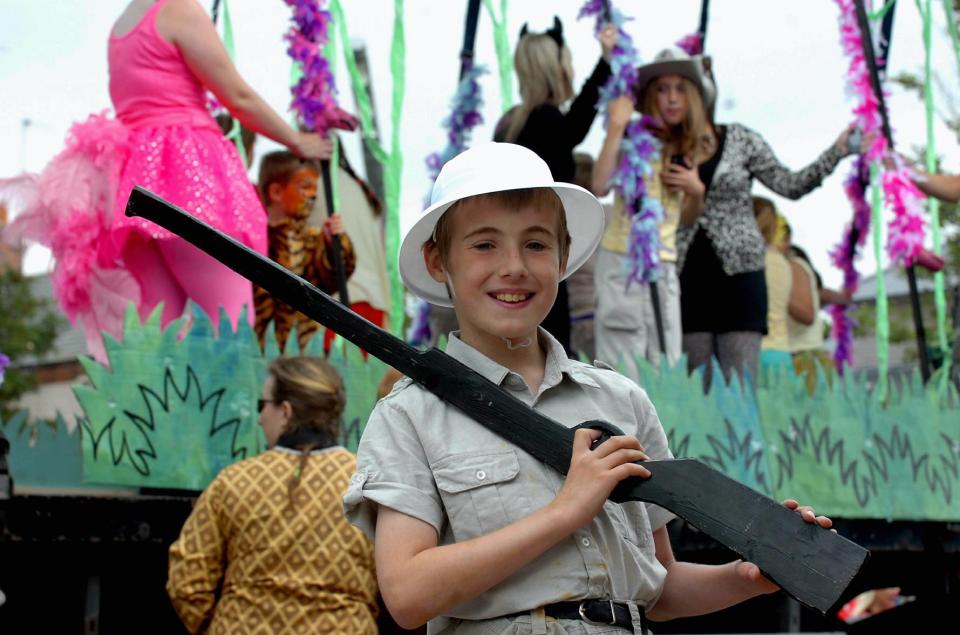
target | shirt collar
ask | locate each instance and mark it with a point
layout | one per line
(557, 363)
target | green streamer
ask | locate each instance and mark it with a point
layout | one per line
(395, 171)
(883, 319)
(234, 134)
(504, 59)
(939, 289)
(359, 90)
(882, 11)
(392, 162)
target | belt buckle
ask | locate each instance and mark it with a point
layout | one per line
(583, 615)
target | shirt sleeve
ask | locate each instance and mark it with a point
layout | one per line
(654, 441)
(583, 110)
(197, 561)
(392, 471)
(765, 166)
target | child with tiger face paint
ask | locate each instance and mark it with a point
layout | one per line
(288, 187)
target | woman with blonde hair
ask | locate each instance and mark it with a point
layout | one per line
(674, 91)
(719, 251)
(270, 532)
(545, 73)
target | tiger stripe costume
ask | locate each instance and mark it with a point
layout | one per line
(303, 250)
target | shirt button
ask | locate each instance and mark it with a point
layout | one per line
(585, 542)
(481, 475)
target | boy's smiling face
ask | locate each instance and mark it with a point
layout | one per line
(502, 266)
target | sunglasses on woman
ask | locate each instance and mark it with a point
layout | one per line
(262, 403)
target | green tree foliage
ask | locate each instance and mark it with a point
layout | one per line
(28, 327)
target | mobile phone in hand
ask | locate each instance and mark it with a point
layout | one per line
(855, 140)
(678, 159)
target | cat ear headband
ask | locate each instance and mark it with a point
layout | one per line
(555, 32)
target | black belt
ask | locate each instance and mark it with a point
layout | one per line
(606, 612)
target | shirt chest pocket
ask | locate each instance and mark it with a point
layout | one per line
(632, 523)
(477, 489)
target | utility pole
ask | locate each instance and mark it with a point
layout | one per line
(25, 124)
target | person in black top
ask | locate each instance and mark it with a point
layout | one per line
(545, 74)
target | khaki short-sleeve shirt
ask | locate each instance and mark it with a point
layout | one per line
(426, 459)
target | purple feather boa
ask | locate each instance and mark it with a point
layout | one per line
(905, 231)
(640, 148)
(313, 95)
(464, 117)
(844, 257)
(419, 333)
(624, 57)
(4, 362)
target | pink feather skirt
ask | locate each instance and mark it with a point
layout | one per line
(77, 208)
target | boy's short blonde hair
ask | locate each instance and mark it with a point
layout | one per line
(539, 197)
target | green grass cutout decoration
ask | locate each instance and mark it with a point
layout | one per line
(179, 404)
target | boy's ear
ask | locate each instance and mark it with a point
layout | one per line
(433, 262)
(274, 192)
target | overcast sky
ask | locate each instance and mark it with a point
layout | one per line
(778, 64)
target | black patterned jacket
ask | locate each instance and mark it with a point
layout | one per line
(728, 217)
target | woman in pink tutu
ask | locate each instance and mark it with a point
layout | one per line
(163, 57)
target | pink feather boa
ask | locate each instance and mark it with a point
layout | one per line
(905, 232)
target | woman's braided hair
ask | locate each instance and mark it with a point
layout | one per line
(317, 399)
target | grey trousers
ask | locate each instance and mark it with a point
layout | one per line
(625, 324)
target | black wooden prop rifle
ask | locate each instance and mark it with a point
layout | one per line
(810, 563)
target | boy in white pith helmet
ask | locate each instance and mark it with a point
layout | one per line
(473, 534)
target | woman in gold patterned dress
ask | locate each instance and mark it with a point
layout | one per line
(269, 531)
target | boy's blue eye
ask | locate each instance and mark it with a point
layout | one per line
(483, 246)
(536, 245)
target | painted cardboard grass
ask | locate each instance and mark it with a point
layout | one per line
(840, 449)
(178, 405)
(172, 411)
(43, 454)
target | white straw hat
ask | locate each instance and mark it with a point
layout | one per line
(487, 168)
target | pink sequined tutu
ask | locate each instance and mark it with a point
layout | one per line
(76, 207)
(197, 169)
